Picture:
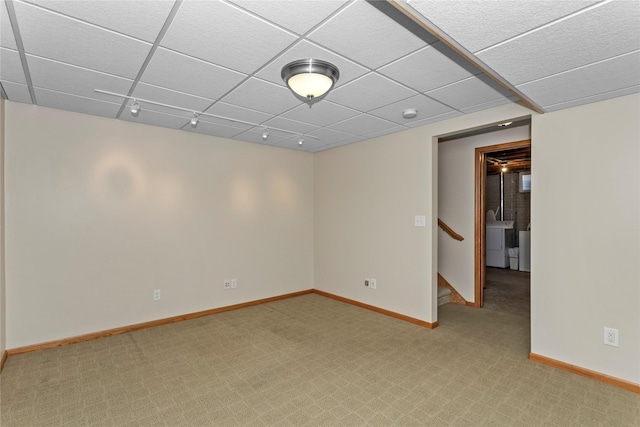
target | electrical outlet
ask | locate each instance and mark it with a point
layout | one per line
(156, 295)
(227, 284)
(611, 336)
(234, 283)
(366, 283)
(372, 283)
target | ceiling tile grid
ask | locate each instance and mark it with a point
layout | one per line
(622, 72)
(55, 36)
(223, 34)
(601, 32)
(224, 57)
(11, 66)
(17, 92)
(6, 32)
(479, 24)
(190, 75)
(135, 18)
(285, 13)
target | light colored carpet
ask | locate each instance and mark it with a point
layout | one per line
(308, 361)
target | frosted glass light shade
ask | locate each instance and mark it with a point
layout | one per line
(310, 78)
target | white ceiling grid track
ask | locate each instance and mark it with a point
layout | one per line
(223, 59)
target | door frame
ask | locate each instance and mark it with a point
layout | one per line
(479, 234)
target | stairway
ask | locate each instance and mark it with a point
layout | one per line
(444, 295)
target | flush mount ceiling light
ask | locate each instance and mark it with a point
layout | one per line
(310, 78)
(135, 107)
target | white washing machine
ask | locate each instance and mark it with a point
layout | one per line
(499, 238)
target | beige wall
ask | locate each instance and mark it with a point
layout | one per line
(3, 305)
(101, 212)
(367, 195)
(585, 213)
(456, 204)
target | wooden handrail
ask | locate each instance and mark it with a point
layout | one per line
(449, 231)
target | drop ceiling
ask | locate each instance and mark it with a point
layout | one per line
(443, 58)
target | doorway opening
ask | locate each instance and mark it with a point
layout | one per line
(500, 224)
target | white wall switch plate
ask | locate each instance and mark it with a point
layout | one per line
(234, 283)
(156, 295)
(372, 283)
(420, 221)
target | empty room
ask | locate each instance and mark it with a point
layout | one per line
(232, 212)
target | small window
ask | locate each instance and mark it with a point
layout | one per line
(525, 182)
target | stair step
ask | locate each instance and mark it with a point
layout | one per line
(444, 295)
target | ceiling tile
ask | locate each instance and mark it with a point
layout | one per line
(468, 21)
(467, 93)
(263, 96)
(11, 66)
(304, 50)
(323, 113)
(255, 135)
(621, 72)
(286, 13)
(385, 131)
(6, 32)
(317, 148)
(594, 98)
(154, 118)
(215, 129)
(369, 92)
(292, 144)
(235, 112)
(218, 32)
(430, 68)
(425, 106)
(602, 32)
(290, 125)
(167, 96)
(74, 80)
(433, 119)
(67, 40)
(79, 104)
(140, 19)
(17, 92)
(363, 124)
(327, 136)
(358, 27)
(189, 75)
(490, 104)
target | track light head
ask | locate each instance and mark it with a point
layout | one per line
(300, 140)
(135, 107)
(265, 134)
(195, 119)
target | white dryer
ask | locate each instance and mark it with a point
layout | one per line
(499, 238)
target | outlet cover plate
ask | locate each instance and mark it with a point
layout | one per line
(611, 337)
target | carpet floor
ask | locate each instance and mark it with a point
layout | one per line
(508, 291)
(308, 361)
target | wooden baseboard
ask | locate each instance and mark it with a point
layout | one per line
(627, 385)
(2, 360)
(377, 309)
(145, 325)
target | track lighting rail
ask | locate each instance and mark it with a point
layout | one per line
(198, 113)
